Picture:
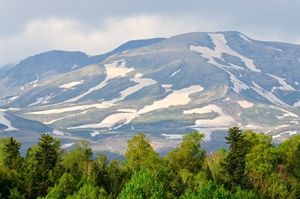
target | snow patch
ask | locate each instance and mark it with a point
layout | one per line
(112, 70)
(10, 99)
(297, 104)
(141, 83)
(74, 66)
(221, 120)
(267, 95)
(6, 122)
(68, 145)
(245, 104)
(238, 85)
(71, 84)
(221, 47)
(172, 136)
(176, 98)
(285, 113)
(113, 121)
(95, 133)
(31, 84)
(57, 132)
(70, 109)
(173, 74)
(167, 87)
(43, 100)
(210, 54)
(288, 133)
(283, 85)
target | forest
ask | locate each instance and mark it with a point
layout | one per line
(251, 166)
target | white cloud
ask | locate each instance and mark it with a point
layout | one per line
(45, 34)
(68, 34)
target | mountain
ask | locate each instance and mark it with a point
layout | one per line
(4, 69)
(39, 68)
(164, 87)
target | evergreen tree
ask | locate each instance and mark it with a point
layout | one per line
(12, 158)
(40, 164)
(235, 160)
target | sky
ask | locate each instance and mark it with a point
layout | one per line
(29, 27)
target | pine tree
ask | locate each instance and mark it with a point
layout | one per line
(12, 158)
(235, 160)
(40, 164)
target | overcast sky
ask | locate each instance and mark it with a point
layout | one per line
(29, 27)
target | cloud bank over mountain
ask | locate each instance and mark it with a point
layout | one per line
(29, 27)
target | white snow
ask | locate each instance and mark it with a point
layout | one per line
(119, 119)
(220, 121)
(176, 98)
(71, 84)
(172, 136)
(6, 122)
(283, 84)
(68, 145)
(173, 74)
(31, 84)
(112, 70)
(114, 121)
(245, 104)
(95, 133)
(254, 127)
(221, 47)
(267, 95)
(43, 100)
(296, 83)
(285, 113)
(71, 108)
(64, 117)
(141, 83)
(167, 87)
(281, 126)
(74, 66)
(289, 133)
(57, 132)
(238, 85)
(210, 54)
(297, 104)
(11, 99)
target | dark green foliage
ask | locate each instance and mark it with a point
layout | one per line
(253, 167)
(39, 166)
(8, 179)
(12, 158)
(235, 160)
(47, 153)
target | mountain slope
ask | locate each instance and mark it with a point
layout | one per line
(202, 81)
(35, 70)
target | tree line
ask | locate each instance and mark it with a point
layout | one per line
(251, 167)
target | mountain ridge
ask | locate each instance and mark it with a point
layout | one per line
(167, 87)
